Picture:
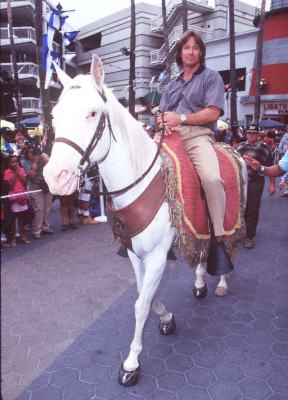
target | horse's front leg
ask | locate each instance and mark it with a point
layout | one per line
(154, 264)
(138, 269)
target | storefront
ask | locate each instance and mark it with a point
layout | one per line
(276, 109)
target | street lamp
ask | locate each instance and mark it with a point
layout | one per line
(125, 51)
(263, 83)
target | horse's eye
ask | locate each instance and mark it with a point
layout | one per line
(92, 114)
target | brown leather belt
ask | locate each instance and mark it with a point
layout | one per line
(134, 218)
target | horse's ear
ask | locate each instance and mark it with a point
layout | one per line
(63, 77)
(97, 71)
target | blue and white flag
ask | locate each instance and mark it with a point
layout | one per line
(69, 37)
(57, 19)
(68, 56)
(52, 56)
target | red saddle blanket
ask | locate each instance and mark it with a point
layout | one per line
(187, 205)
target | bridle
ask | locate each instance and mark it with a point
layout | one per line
(93, 143)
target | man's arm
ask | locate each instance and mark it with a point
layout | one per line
(272, 171)
(203, 117)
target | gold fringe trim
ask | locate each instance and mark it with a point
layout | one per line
(196, 250)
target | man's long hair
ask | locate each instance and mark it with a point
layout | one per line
(183, 40)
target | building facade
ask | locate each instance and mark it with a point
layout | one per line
(274, 72)
(24, 35)
(109, 37)
(106, 37)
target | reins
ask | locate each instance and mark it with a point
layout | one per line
(93, 143)
(133, 184)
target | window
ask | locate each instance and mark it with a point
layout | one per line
(92, 42)
(240, 77)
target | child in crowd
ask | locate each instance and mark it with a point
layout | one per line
(15, 177)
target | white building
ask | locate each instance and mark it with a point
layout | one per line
(108, 35)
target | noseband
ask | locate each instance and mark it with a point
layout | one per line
(93, 143)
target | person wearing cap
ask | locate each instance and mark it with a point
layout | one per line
(255, 148)
(190, 106)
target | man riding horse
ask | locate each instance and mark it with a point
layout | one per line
(191, 105)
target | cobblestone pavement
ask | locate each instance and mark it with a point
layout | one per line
(68, 318)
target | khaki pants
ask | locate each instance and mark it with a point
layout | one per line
(198, 142)
(41, 203)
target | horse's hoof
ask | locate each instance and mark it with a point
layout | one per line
(221, 291)
(167, 328)
(128, 378)
(200, 293)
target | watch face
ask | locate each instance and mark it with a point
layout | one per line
(183, 117)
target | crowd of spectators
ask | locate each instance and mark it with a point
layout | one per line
(25, 197)
(22, 163)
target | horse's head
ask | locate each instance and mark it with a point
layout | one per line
(76, 118)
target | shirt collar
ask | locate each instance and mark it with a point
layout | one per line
(197, 72)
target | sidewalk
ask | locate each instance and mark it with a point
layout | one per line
(68, 319)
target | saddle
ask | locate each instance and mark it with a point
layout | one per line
(179, 185)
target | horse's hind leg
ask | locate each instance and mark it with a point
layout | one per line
(160, 310)
(167, 323)
(200, 288)
(154, 266)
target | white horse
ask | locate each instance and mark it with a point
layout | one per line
(123, 152)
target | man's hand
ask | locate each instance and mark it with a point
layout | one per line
(251, 162)
(169, 122)
(171, 119)
(271, 189)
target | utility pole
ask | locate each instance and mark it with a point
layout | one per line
(44, 94)
(132, 74)
(258, 63)
(166, 41)
(14, 63)
(233, 81)
(184, 15)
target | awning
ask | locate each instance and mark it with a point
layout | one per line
(271, 123)
(30, 122)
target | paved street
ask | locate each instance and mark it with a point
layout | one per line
(68, 318)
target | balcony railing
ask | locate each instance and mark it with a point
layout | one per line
(19, 1)
(158, 56)
(19, 33)
(160, 87)
(273, 5)
(31, 104)
(196, 5)
(25, 70)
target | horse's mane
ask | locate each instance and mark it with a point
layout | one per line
(141, 146)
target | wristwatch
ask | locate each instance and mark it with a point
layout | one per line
(261, 170)
(183, 119)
